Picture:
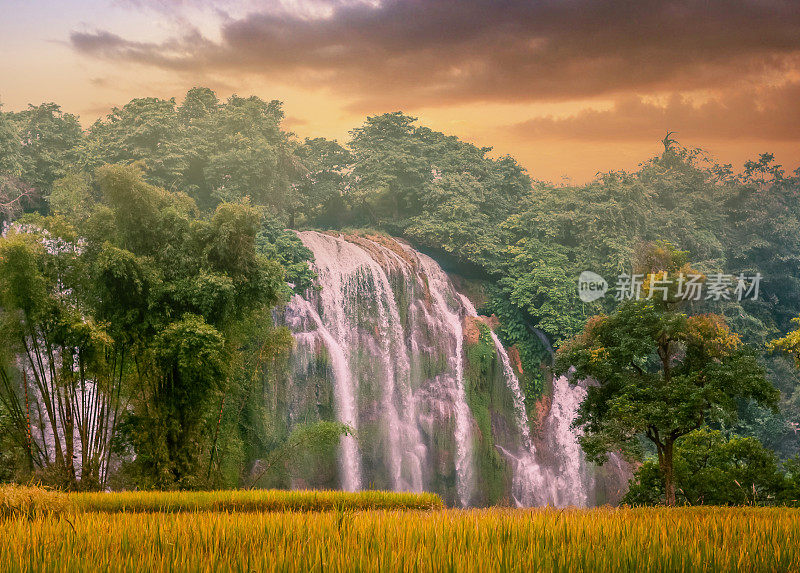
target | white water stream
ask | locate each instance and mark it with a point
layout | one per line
(391, 324)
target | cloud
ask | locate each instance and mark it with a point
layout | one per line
(175, 54)
(292, 122)
(441, 52)
(769, 113)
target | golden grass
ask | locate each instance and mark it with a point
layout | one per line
(654, 539)
(252, 500)
(30, 502)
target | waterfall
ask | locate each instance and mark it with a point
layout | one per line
(527, 475)
(564, 483)
(453, 385)
(380, 346)
(373, 344)
(343, 388)
(572, 483)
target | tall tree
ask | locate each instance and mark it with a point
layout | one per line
(51, 143)
(128, 332)
(655, 373)
(57, 352)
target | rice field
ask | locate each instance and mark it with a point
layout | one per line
(606, 539)
(29, 502)
(252, 500)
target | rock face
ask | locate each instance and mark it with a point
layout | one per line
(385, 344)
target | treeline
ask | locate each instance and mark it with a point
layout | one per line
(130, 320)
(198, 214)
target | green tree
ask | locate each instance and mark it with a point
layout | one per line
(50, 144)
(658, 374)
(10, 146)
(318, 196)
(151, 305)
(763, 236)
(250, 155)
(405, 174)
(711, 469)
(72, 197)
(56, 372)
(145, 130)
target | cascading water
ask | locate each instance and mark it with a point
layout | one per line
(380, 347)
(373, 344)
(571, 484)
(343, 387)
(453, 383)
(534, 484)
(528, 477)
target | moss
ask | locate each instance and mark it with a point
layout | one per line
(515, 329)
(485, 400)
(482, 355)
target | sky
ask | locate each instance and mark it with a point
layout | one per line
(567, 87)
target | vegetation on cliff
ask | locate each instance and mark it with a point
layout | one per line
(146, 252)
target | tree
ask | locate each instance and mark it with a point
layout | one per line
(711, 469)
(184, 287)
(658, 374)
(144, 130)
(248, 155)
(57, 378)
(128, 332)
(72, 197)
(15, 197)
(50, 144)
(790, 343)
(400, 170)
(318, 196)
(10, 146)
(453, 219)
(763, 235)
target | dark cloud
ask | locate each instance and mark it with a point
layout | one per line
(439, 52)
(765, 113)
(174, 54)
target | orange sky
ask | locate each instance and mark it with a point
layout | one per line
(568, 87)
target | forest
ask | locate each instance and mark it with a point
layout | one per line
(143, 258)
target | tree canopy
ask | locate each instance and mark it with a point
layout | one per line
(145, 246)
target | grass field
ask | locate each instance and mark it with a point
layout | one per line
(252, 500)
(655, 539)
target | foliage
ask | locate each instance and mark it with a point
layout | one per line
(282, 245)
(213, 151)
(128, 331)
(303, 443)
(319, 194)
(439, 191)
(204, 189)
(711, 469)
(790, 343)
(49, 145)
(658, 373)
